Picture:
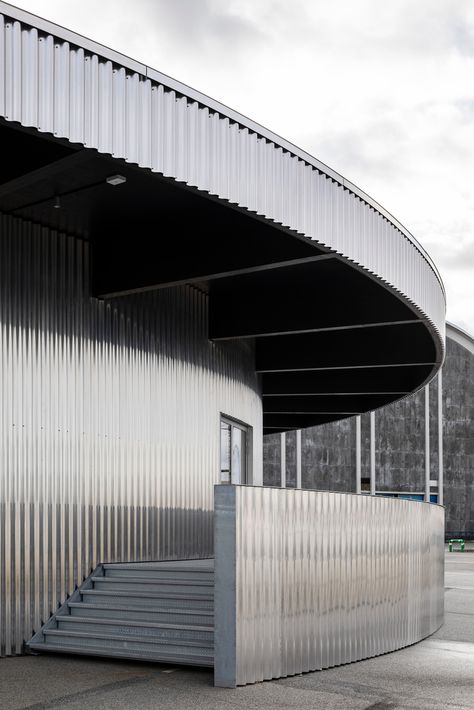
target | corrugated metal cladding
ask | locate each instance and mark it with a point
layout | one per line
(63, 89)
(109, 421)
(322, 579)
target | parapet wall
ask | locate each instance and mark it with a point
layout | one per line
(306, 580)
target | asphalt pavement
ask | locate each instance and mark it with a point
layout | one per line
(435, 674)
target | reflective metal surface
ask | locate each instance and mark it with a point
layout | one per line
(319, 579)
(109, 424)
(61, 83)
(110, 411)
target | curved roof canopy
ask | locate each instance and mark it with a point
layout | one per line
(345, 308)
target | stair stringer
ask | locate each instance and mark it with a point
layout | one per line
(63, 609)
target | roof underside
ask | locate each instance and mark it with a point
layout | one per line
(331, 340)
(345, 307)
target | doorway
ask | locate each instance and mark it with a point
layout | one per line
(235, 449)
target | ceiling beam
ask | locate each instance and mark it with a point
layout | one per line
(44, 173)
(324, 403)
(213, 275)
(349, 380)
(302, 298)
(379, 346)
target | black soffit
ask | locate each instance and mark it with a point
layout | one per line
(331, 340)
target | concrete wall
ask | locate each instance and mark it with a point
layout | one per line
(458, 403)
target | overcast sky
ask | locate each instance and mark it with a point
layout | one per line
(383, 92)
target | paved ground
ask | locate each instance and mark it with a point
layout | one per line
(437, 674)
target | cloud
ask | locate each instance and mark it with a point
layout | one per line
(206, 24)
(380, 91)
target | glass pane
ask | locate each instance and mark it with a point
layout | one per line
(225, 452)
(237, 457)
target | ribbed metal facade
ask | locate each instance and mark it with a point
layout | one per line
(101, 100)
(109, 423)
(320, 579)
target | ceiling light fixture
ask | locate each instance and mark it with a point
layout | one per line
(116, 180)
(57, 203)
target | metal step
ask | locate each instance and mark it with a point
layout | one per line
(118, 641)
(182, 659)
(126, 627)
(188, 601)
(141, 584)
(165, 572)
(202, 617)
(155, 612)
(194, 565)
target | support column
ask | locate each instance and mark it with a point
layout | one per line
(283, 460)
(298, 458)
(440, 439)
(427, 443)
(358, 455)
(372, 453)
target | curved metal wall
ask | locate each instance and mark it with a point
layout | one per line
(102, 100)
(307, 580)
(109, 422)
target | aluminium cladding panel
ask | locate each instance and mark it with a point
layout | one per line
(319, 579)
(60, 88)
(109, 421)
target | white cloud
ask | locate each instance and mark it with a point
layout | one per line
(383, 92)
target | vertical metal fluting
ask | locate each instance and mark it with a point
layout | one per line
(427, 443)
(358, 453)
(372, 454)
(96, 98)
(109, 424)
(306, 580)
(440, 440)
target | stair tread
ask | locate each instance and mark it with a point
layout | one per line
(150, 611)
(159, 566)
(144, 580)
(117, 653)
(199, 643)
(131, 622)
(151, 595)
(159, 610)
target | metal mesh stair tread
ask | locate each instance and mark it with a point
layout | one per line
(199, 644)
(149, 616)
(155, 581)
(152, 595)
(178, 658)
(159, 567)
(140, 609)
(124, 622)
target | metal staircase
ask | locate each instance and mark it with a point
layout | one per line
(160, 611)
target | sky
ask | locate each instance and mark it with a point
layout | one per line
(383, 92)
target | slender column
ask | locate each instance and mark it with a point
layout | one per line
(358, 456)
(298, 458)
(372, 453)
(427, 443)
(283, 460)
(440, 439)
